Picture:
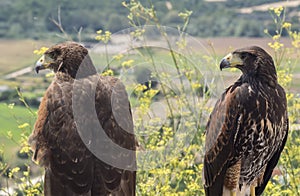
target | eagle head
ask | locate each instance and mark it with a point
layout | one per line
(253, 61)
(64, 57)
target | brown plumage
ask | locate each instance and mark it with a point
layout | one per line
(83, 135)
(248, 127)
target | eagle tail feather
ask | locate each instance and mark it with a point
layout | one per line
(269, 169)
(216, 189)
(53, 186)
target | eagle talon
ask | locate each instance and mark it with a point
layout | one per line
(252, 190)
(232, 193)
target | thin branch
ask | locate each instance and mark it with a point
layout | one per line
(79, 34)
(58, 23)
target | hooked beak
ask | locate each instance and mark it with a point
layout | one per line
(230, 60)
(41, 64)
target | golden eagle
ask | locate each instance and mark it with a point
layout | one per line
(83, 135)
(248, 127)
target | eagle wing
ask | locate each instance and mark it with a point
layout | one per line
(221, 130)
(58, 147)
(243, 125)
(118, 149)
(64, 130)
(270, 167)
(280, 102)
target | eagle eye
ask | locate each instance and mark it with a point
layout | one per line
(243, 56)
(54, 53)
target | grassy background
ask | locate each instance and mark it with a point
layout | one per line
(10, 120)
(17, 54)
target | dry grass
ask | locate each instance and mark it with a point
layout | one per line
(16, 54)
(224, 45)
(267, 6)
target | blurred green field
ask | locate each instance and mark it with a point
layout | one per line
(11, 121)
(11, 118)
(17, 54)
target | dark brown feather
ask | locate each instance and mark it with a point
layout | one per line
(73, 115)
(270, 167)
(220, 134)
(248, 126)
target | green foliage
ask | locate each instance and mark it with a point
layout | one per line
(209, 18)
(16, 171)
(12, 116)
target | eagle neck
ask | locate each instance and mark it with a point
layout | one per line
(266, 72)
(259, 77)
(84, 69)
(270, 79)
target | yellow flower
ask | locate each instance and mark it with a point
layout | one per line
(276, 37)
(50, 75)
(137, 32)
(181, 43)
(124, 4)
(104, 37)
(9, 135)
(276, 45)
(41, 51)
(127, 63)
(289, 96)
(118, 56)
(13, 171)
(196, 85)
(296, 39)
(277, 10)
(193, 186)
(22, 126)
(26, 173)
(107, 34)
(108, 72)
(286, 25)
(98, 38)
(25, 149)
(151, 93)
(296, 43)
(266, 31)
(185, 15)
(11, 106)
(99, 32)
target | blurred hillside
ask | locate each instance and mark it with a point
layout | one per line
(32, 18)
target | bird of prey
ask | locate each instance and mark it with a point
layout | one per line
(83, 135)
(247, 129)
